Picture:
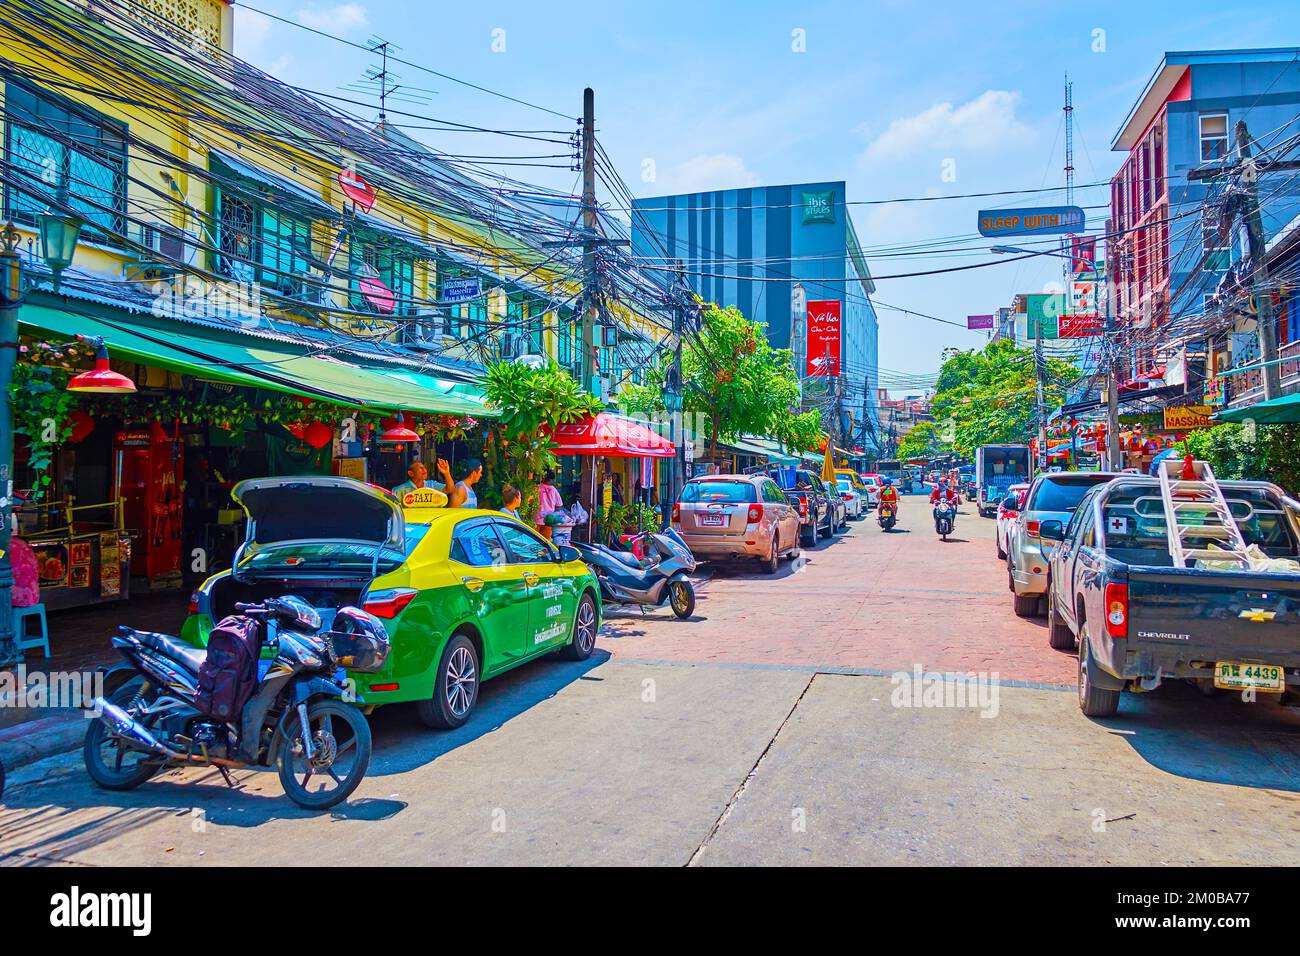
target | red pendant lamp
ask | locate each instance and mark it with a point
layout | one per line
(101, 378)
(397, 433)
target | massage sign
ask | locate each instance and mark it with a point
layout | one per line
(823, 354)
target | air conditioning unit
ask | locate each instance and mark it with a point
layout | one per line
(170, 244)
(423, 330)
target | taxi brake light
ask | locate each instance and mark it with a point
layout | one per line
(388, 603)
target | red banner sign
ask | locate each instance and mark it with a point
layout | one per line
(1079, 325)
(823, 338)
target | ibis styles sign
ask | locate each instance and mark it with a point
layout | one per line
(1042, 221)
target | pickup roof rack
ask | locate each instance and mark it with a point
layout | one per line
(1195, 508)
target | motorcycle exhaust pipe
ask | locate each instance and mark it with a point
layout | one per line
(129, 730)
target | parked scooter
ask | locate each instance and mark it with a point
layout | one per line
(887, 516)
(174, 705)
(663, 575)
(945, 518)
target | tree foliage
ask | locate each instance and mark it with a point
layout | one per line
(925, 440)
(734, 378)
(1262, 452)
(990, 394)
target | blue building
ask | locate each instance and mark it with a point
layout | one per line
(1167, 255)
(746, 247)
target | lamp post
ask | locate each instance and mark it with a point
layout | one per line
(59, 233)
(11, 297)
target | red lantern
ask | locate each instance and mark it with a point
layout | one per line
(318, 434)
(82, 426)
(298, 430)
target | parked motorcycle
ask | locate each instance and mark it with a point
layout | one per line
(945, 518)
(887, 516)
(663, 575)
(171, 704)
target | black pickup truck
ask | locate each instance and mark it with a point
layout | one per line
(1140, 620)
(820, 511)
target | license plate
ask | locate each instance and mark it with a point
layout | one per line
(713, 521)
(1232, 675)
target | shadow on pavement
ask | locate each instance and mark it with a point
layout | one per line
(63, 816)
(1220, 739)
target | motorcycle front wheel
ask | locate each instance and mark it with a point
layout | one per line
(111, 765)
(681, 594)
(340, 755)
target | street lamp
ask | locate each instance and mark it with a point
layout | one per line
(59, 233)
(11, 284)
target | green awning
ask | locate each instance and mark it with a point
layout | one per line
(215, 355)
(1277, 411)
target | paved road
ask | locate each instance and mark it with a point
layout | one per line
(767, 731)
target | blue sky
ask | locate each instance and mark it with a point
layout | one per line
(898, 99)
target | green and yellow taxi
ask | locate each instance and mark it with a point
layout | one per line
(465, 594)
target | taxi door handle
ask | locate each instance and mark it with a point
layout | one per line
(473, 584)
(531, 578)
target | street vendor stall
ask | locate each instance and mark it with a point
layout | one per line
(83, 552)
(609, 436)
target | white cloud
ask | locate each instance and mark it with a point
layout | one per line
(251, 29)
(343, 18)
(987, 122)
(704, 173)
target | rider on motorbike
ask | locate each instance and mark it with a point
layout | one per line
(943, 492)
(888, 493)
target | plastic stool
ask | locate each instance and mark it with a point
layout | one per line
(41, 640)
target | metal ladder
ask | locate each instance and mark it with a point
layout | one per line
(1198, 508)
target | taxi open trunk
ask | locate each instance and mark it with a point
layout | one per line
(321, 537)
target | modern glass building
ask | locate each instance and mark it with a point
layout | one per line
(750, 247)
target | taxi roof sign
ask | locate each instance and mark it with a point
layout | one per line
(424, 498)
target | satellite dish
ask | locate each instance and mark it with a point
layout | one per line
(532, 361)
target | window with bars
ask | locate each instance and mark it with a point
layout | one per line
(52, 144)
(257, 242)
(1216, 246)
(391, 265)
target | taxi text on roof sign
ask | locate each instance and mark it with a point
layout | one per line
(424, 498)
(1041, 221)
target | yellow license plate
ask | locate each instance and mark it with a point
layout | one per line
(1232, 675)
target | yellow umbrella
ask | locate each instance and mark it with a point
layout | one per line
(828, 464)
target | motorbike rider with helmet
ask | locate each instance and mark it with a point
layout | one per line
(888, 493)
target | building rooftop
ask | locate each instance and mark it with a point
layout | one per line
(1171, 69)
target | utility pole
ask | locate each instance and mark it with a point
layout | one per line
(590, 278)
(11, 298)
(1042, 411)
(1113, 462)
(1246, 201)
(677, 402)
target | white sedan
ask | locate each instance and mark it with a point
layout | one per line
(855, 506)
(1015, 497)
(873, 489)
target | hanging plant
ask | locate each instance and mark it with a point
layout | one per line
(42, 410)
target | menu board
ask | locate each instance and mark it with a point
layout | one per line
(110, 565)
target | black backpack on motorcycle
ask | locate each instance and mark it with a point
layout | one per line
(228, 676)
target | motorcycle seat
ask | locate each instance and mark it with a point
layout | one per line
(187, 655)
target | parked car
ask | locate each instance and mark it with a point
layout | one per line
(1140, 620)
(464, 594)
(1008, 510)
(854, 506)
(819, 510)
(724, 517)
(873, 484)
(1050, 497)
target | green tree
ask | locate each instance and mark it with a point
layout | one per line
(990, 394)
(532, 402)
(734, 378)
(923, 441)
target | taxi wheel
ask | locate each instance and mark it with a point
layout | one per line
(455, 692)
(584, 632)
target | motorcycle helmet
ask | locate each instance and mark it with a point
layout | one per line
(358, 640)
(888, 482)
(294, 612)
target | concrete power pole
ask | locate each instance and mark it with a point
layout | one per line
(590, 277)
(1246, 201)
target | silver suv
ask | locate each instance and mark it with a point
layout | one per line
(1053, 496)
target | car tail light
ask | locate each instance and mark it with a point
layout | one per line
(803, 506)
(388, 603)
(846, 496)
(1117, 610)
(755, 514)
(1031, 528)
(194, 602)
(676, 517)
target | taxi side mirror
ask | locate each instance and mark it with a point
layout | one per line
(569, 553)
